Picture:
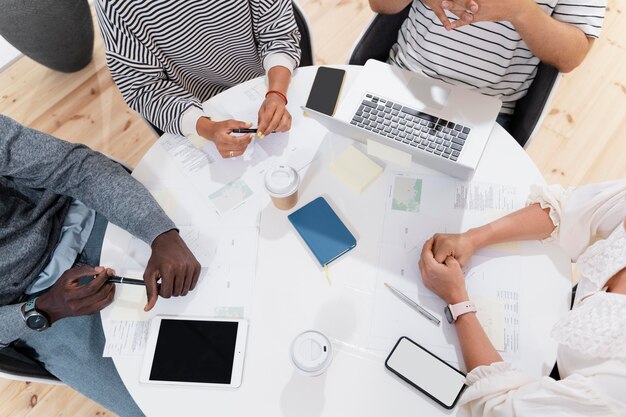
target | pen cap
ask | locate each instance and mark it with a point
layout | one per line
(311, 353)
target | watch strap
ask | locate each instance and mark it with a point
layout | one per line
(461, 308)
(30, 305)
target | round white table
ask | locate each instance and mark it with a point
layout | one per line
(291, 295)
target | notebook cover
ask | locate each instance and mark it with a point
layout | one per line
(322, 231)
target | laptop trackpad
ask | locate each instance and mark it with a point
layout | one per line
(430, 95)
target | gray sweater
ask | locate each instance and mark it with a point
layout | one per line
(39, 177)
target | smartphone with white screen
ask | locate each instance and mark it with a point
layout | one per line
(426, 372)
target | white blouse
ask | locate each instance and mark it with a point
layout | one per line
(591, 355)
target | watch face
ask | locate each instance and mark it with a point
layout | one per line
(448, 314)
(37, 322)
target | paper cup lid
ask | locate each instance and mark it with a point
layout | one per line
(281, 180)
(311, 352)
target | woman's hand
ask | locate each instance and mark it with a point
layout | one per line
(459, 246)
(444, 279)
(273, 115)
(220, 133)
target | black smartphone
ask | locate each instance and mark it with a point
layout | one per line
(423, 370)
(325, 90)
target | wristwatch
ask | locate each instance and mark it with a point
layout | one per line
(453, 311)
(34, 319)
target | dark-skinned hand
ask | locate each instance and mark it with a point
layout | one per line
(174, 264)
(67, 298)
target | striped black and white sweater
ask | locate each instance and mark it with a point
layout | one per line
(167, 57)
(490, 57)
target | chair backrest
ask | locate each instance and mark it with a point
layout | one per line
(378, 37)
(16, 366)
(531, 109)
(306, 46)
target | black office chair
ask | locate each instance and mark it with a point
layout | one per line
(382, 33)
(15, 365)
(306, 47)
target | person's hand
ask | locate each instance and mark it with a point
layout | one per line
(174, 264)
(228, 145)
(472, 11)
(446, 280)
(437, 8)
(459, 246)
(464, 10)
(67, 298)
(273, 116)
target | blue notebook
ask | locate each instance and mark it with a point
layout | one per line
(323, 232)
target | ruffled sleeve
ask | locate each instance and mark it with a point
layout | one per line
(582, 215)
(549, 197)
(488, 382)
(498, 390)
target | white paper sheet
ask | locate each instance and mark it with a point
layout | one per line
(418, 206)
(126, 337)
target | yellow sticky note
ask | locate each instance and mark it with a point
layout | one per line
(355, 169)
(388, 153)
(490, 314)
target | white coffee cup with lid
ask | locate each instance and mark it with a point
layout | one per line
(281, 183)
(311, 353)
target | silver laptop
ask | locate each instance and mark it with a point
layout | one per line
(442, 126)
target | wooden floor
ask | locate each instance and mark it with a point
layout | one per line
(582, 140)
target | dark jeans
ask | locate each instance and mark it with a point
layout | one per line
(71, 349)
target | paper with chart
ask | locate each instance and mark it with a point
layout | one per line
(416, 207)
(231, 187)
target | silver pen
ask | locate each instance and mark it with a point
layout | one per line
(434, 320)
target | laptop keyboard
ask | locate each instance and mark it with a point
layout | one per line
(411, 127)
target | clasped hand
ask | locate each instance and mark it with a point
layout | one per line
(440, 264)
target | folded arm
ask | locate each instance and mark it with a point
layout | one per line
(561, 40)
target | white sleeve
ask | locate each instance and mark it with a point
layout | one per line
(582, 215)
(498, 390)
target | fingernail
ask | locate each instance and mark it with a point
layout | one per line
(99, 269)
(249, 124)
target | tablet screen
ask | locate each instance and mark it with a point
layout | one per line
(194, 351)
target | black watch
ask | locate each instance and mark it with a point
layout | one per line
(34, 319)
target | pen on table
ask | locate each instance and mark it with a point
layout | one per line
(248, 130)
(123, 280)
(414, 305)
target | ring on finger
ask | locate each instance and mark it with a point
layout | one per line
(231, 154)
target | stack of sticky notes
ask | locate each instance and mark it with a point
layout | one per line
(355, 169)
